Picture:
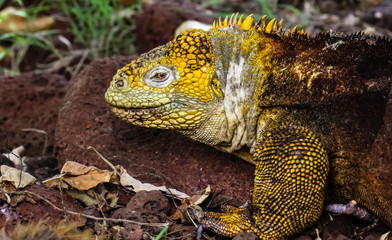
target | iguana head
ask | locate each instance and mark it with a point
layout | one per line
(170, 87)
(201, 83)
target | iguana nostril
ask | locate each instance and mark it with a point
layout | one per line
(119, 83)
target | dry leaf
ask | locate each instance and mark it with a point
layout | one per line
(194, 201)
(16, 177)
(15, 155)
(83, 177)
(385, 236)
(178, 213)
(14, 20)
(112, 199)
(56, 181)
(199, 199)
(133, 184)
(83, 197)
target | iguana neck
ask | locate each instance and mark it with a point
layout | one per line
(235, 52)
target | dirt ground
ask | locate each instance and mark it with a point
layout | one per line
(74, 116)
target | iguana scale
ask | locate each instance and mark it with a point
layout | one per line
(306, 111)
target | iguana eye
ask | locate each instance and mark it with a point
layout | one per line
(159, 77)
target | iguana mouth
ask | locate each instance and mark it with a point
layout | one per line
(143, 111)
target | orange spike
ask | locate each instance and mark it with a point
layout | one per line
(225, 22)
(239, 21)
(294, 30)
(248, 22)
(263, 22)
(280, 24)
(234, 20)
(219, 23)
(270, 26)
(231, 19)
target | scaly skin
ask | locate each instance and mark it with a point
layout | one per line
(301, 109)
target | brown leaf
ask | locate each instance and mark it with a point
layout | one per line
(56, 181)
(84, 177)
(133, 184)
(13, 20)
(16, 177)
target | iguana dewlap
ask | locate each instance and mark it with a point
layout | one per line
(306, 111)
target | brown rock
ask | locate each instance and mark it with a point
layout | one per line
(144, 207)
(30, 101)
(147, 203)
(339, 228)
(131, 232)
(303, 237)
(375, 236)
(33, 209)
(377, 173)
(245, 236)
(380, 15)
(155, 156)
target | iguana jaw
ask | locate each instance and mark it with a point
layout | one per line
(135, 115)
(141, 106)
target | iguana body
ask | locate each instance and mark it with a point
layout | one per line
(301, 109)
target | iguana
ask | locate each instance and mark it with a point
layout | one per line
(307, 111)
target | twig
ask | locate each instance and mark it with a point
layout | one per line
(89, 216)
(42, 132)
(81, 62)
(104, 159)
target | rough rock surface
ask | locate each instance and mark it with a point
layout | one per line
(145, 207)
(33, 209)
(30, 101)
(154, 156)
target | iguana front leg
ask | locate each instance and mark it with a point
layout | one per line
(291, 174)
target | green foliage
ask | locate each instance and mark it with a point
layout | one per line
(104, 27)
(163, 232)
(19, 44)
(100, 29)
(268, 7)
(209, 3)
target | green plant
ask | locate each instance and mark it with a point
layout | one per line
(104, 27)
(17, 46)
(268, 7)
(163, 232)
(100, 29)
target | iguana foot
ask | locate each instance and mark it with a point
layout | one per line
(230, 222)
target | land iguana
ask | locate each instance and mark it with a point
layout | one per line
(305, 110)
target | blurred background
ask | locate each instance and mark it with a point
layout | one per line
(62, 36)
